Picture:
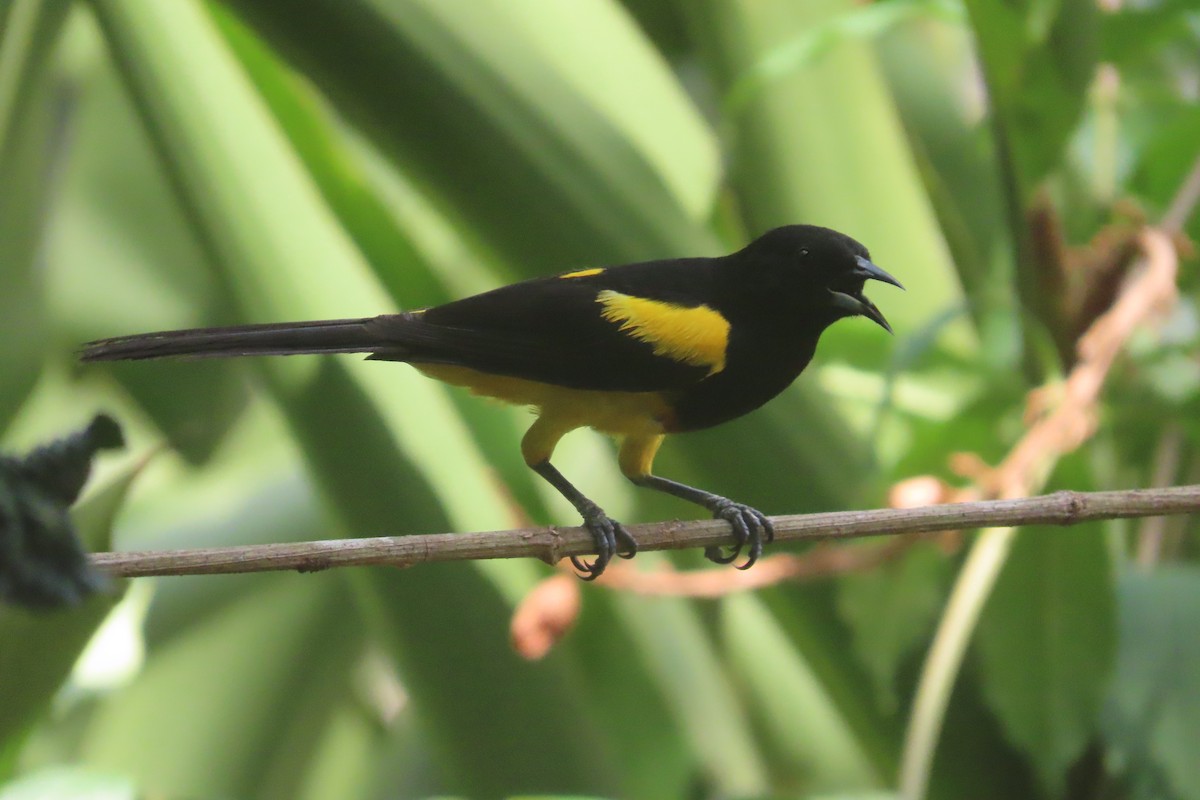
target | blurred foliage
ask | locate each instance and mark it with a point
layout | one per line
(201, 163)
(42, 561)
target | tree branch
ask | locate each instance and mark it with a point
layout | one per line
(551, 544)
(1150, 289)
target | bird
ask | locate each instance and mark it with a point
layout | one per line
(637, 351)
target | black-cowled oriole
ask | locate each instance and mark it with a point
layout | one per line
(637, 351)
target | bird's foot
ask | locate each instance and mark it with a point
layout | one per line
(751, 528)
(610, 538)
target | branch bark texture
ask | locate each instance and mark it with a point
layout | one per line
(551, 544)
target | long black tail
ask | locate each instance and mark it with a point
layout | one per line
(272, 339)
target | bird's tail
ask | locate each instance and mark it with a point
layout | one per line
(286, 338)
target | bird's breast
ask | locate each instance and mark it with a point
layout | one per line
(757, 369)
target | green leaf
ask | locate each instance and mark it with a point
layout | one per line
(1047, 644)
(124, 260)
(807, 615)
(444, 617)
(804, 50)
(559, 184)
(1153, 708)
(341, 178)
(73, 782)
(644, 705)
(282, 255)
(805, 729)
(1131, 33)
(891, 611)
(1166, 155)
(682, 660)
(244, 729)
(800, 153)
(277, 249)
(29, 149)
(957, 164)
(384, 240)
(606, 59)
(1038, 58)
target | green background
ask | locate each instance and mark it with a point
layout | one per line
(186, 163)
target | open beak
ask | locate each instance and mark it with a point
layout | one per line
(872, 272)
(858, 304)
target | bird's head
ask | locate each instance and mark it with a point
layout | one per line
(818, 273)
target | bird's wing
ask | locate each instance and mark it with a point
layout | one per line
(611, 330)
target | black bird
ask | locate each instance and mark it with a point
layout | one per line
(637, 351)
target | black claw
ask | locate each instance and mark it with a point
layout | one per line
(768, 526)
(715, 555)
(750, 528)
(610, 538)
(755, 551)
(629, 545)
(582, 567)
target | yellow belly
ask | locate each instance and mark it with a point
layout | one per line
(616, 413)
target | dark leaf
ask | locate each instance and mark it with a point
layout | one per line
(1047, 642)
(1152, 714)
(42, 563)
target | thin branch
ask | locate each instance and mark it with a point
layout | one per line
(1153, 530)
(1072, 419)
(1070, 423)
(816, 563)
(552, 544)
(1184, 202)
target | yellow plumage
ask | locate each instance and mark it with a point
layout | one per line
(695, 335)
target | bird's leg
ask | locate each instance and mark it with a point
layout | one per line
(608, 534)
(750, 526)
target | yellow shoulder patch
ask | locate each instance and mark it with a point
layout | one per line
(583, 273)
(695, 335)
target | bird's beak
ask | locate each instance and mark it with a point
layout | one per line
(873, 272)
(858, 304)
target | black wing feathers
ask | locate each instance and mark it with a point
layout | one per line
(551, 330)
(547, 329)
(276, 338)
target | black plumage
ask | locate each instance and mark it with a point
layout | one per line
(637, 350)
